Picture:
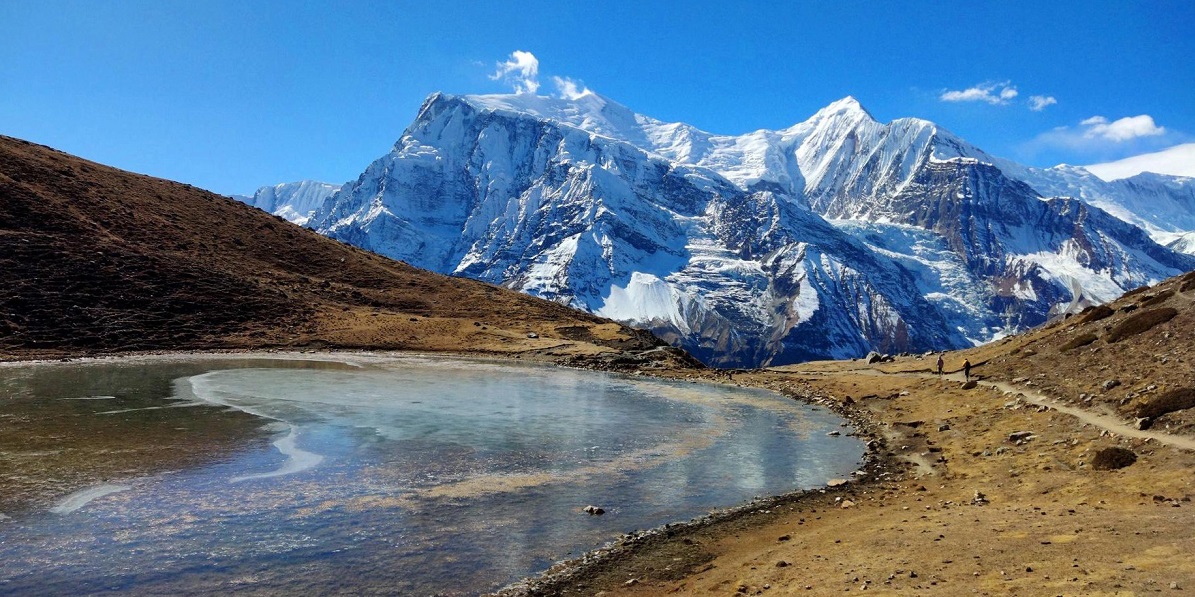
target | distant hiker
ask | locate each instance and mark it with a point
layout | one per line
(941, 363)
(967, 369)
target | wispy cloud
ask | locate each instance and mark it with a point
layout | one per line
(996, 94)
(1037, 103)
(1124, 129)
(521, 71)
(1099, 138)
(569, 89)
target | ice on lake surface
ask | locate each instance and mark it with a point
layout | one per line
(399, 474)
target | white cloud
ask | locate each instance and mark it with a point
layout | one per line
(521, 70)
(996, 94)
(569, 89)
(1178, 161)
(1037, 103)
(1129, 127)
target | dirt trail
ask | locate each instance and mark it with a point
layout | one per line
(1109, 423)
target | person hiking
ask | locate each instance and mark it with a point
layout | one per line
(941, 363)
(967, 369)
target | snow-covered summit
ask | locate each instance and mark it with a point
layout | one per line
(829, 238)
(295, 201)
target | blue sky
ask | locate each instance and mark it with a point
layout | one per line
(233, 95)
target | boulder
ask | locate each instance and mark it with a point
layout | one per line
(874, 357)
(970, 385)
(1113, 458)
(1020, 436)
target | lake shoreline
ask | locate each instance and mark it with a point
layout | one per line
(575, 570)
(586, 572)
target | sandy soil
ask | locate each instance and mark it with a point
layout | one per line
(987, 491)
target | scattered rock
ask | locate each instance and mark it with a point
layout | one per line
(1140, 322)
(594, 510)
(532, 335)
(836, 482)
(1113, 458)
(847, 504)
(980, 499)
(834, 434)
(1109, 384)
(944, 427)
(970, 385)
(1168, 402)
(1078, 342)
(1020, 436)
(874, 357)
(784, 538)
(1096, 313)
(783, 564)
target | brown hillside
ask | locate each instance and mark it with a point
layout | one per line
(1127, 358)
(98, 260)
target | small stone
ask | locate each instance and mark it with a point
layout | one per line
(784, 538)
(1018, 436)
(970, 385)
(631, 583)
(944, 427)
(783, 564)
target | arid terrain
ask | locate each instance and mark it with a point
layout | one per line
(1008, 487)
(96, 260)
(1066, 469)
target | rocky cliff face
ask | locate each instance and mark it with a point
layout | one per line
(836, 236)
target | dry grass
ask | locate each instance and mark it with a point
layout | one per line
(97, 260)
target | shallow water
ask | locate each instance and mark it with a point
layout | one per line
(404, 475)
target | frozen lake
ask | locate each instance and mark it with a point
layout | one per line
(376, 474)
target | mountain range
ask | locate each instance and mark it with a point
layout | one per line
(834, 237)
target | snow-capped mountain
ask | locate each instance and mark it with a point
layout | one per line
(295, 201)
(1184, 243)
(830, 238)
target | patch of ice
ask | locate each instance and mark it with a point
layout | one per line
(83, 497)
(297, 459)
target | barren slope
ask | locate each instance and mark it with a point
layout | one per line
(1002, 488)
(98, 260)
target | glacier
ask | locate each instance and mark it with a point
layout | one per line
(831, 238)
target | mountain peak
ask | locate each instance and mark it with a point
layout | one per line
(847, 106)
